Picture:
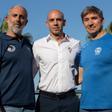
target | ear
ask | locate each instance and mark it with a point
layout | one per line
(64, 22)
(26, 22)
(103, 21)
(6, 18)
(46, 24)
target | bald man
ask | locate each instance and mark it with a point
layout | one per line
(55, 57)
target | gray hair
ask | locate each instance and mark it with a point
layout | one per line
(20, 7)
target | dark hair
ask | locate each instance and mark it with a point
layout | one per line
(91, 9)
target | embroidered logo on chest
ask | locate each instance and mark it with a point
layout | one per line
(11, 48)
(98, 51)
(69, 49)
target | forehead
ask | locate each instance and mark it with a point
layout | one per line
(91, 15)
(55, 14)
(18, 10)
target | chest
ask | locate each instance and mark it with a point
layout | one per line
(56, 53)
(100, 52)
(15, 51)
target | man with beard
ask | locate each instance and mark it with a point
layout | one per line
(55, 57)
(96, 64)
(16, 79)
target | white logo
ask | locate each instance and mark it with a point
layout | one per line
(98, 51)
(11, 48)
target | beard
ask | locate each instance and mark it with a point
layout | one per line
(16, 28)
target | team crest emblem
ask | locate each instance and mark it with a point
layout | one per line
(11, 48)
(98, 51)
(70, 49)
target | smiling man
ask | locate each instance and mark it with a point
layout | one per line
(96, 64)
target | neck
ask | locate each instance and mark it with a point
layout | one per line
(97, 35)
(14, 35)
(58, 38)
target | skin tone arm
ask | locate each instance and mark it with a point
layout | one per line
(80, 77)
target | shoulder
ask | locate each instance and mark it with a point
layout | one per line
(74, 41)
(108, 35)
(84, 44)
(40, 41)
(4, 38)
(2, 35)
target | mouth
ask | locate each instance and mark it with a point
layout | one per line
(18, 25)
(91, 28)
(56, 29)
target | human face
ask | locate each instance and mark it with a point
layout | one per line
(16, 19)
(93, 23)
(55, 22)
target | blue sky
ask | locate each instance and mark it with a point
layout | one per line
(38, 10)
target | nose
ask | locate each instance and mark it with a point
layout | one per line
(55, 22)
(18, 18)
(90, 22)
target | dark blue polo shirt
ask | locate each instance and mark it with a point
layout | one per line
(16, 79)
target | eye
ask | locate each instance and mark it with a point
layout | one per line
(59, 19)
(86, 19)
(22, 17)
(95, 17)
(51, 20)
(14, 15)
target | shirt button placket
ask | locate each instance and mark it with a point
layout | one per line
(60, 68)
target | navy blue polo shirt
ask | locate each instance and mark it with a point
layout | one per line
(16, 79)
